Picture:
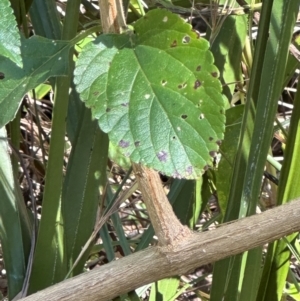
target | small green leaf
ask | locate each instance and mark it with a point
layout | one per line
(42, 59)
(9, 38)
(156, 93)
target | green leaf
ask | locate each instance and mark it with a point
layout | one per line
(156, 94)
(9, 38)
(164, 289)
(42, 59)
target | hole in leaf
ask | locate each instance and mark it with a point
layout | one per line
(198, 68)
(123, 143)
(186, 39)
(206, 167)
(197, 84)
(213, 153)
(165, 19)
(125, 104)
(174, 137)
(2, 75)
(184, 116)
(163, 82)
(179, 86)
(219, 142)
(162, 156)
(174, 44)
(137, 143)
(214, 74)
(108, 110)
(210, 138)
(201, 116)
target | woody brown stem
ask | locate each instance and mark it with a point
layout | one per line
(166, 225)
(112, 16)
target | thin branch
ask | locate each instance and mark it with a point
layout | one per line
(195, 250)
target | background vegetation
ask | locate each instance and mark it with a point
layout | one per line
(69, 199)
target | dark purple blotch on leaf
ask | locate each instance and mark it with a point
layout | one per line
(197, 84)
(123, 143)
(162, 156)
(176, 175)
(189, 170)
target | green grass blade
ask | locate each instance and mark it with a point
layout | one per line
(227, 49)
(15, 248)
(107, 243)
(50, 237)
(276, 272)
(86, 173)
(119, 227)
(45, 19)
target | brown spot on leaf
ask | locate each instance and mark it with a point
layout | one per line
(198, 68)
(123, 143)
(162, 156)
(197, 84)
(174, 43)
(213, 153)
(197, 33)
(206, 167)
(214, 74)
